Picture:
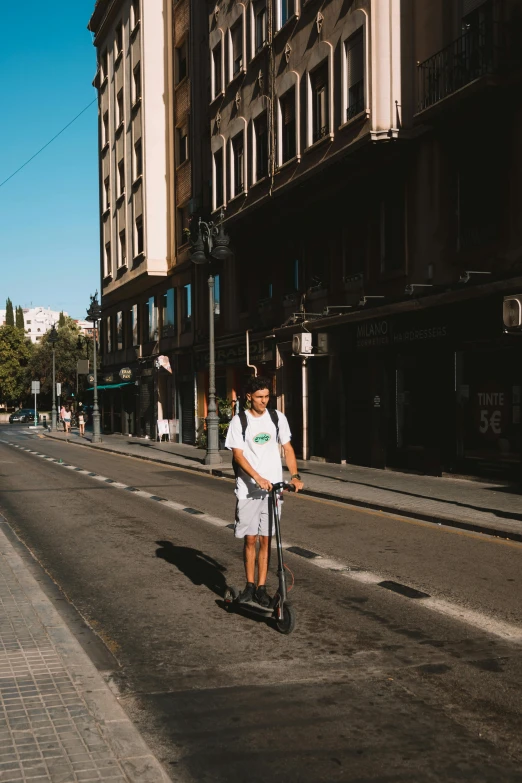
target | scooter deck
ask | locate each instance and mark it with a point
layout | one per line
(254, 607)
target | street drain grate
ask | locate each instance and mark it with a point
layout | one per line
(131, 489)
(157, 497)
(110, 481)
(92, 474)
(192, 510)
(78, 469)
(298, 550)
(408, 592)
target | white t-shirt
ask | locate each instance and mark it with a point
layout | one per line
(260, 449)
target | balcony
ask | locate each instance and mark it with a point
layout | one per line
(486, 48)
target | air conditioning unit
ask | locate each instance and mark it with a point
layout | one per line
(512, 312)
(302, 343)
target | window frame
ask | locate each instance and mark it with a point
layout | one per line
(279, 21)
(220, 149)
(234, 171)
(350, 35)
(232, 72)
(259, 6)
(280, 126)
(120, 107)
(107, 259)
(136, 84)
(255, 139)
(122, 248)
(135, 17)
(166, 331)
(215, 93)
(183, 46)
(182, 146)
(139, 232)
(121, 177)
(323, 57)
(137, 158)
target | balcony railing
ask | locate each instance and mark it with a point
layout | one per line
(355, 100)
(319, 132)
(485, 48)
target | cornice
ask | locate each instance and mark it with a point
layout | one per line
(103, 11)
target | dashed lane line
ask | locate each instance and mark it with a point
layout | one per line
(506, 631)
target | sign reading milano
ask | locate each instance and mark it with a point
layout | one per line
(382, 332)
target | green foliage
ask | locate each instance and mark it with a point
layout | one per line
(68, 349)
(19, 321)
(9, 314)
(15, 355)
(61, 319)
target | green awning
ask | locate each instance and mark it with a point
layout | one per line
(112, 386)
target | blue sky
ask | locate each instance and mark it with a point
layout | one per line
(49, 232)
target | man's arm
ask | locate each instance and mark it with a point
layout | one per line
(245, 465)
(291, 464)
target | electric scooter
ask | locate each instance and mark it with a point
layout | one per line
(280, 610)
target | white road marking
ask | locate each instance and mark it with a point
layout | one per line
(506, 631)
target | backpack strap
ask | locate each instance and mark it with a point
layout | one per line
(244, 422)
(275, 421)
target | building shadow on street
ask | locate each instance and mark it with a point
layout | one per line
(200, 568)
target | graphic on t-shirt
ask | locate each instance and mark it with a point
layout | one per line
(262, 438)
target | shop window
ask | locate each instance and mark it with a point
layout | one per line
(151, 311)
(134, 314)
(119, 331)
(108, 334)
(186, 306)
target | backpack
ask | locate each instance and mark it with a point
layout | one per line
(244, 424)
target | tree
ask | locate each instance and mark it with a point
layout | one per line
(61, 319)
(15, 353)
(9, 314)
(20, 323)
(68, 349)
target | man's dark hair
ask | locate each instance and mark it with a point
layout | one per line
(254, 385)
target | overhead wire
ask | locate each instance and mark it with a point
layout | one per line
(48, 143)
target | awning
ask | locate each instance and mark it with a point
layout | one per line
(112, 386)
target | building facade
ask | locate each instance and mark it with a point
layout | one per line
(368, 156)
(147, 190)
(37, 320)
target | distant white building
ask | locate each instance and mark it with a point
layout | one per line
(85, 327)
(37, 320)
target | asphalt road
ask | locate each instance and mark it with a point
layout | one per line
(373, 685)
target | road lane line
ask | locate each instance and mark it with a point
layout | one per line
(506, 631)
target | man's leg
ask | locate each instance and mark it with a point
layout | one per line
(249, 554)
(262, 560)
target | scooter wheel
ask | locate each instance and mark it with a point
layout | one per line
(287, 624)
(229, 596)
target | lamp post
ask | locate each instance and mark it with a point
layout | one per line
(53, 338)
(211, 243)
(94, 315)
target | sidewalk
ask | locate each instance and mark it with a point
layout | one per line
(59, 721)
(483, 506)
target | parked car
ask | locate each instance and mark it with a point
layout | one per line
(22, 416)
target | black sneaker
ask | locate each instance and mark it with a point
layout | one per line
(247, 594)
(262, 598)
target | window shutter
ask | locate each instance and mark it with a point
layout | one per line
(470, 5)
(319, 77)
(288, 107)
(355, 59)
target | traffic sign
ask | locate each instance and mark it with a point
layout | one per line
(58, 389)
(35, 387)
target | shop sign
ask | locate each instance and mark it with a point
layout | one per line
(126, 374)
(378, 333)
(491, 410)
(90, 379)
(109, 378)
(260, 352)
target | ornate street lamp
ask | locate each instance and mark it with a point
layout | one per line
(211, 243)
(53, 339)
(94, 315)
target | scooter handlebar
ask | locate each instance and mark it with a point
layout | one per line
(283, 485)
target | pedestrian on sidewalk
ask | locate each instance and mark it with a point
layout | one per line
(62, 417)
(67, 419)
(81, 422)
(254, 437)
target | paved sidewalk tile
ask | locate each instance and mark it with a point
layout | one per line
(51, 725)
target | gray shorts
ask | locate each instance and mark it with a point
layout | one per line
(253, 517)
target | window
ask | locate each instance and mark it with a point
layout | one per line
(135, 325)
(261, 147)
(355, 75)
(119, 331)
(288, 126)
(285, 10)
(135, 13)
(152, 319)
(217, 70)
(236, 47)
(219, 194)
(238, 162)
(182, 145)
(181, 62)
(319, 86)
(260, 24)
(107, 193)
(217, 294)
(108, 334)
(168, 313)
(186, 302)
(138, 160)
(121, 178)
(108, 262)
(104, 64)
(393, 231)
(139, 234)
(119, 39)
(123, 248)
(119, 100)
(182, 224)
(292, 278)
(105, 129)
(137, 83)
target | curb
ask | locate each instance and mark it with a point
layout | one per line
(435, 519)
